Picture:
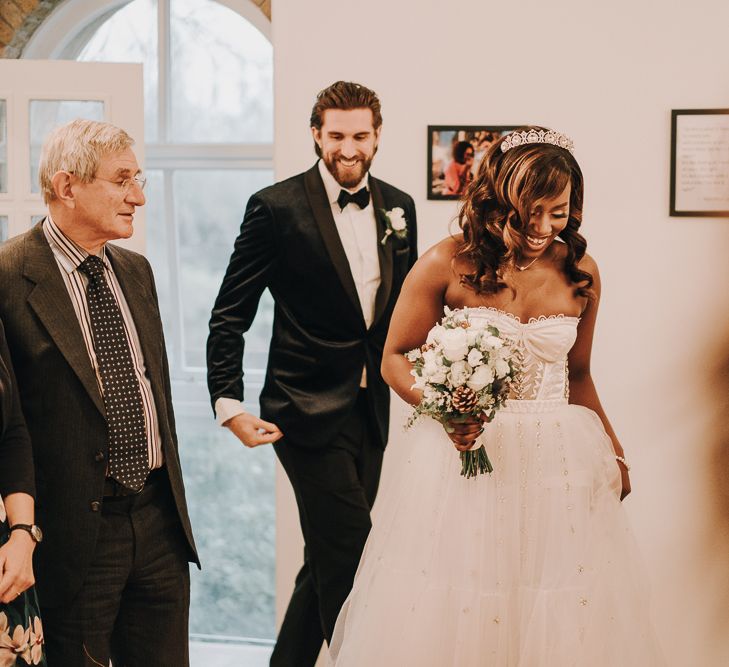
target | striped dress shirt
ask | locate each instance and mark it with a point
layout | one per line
(68, 257)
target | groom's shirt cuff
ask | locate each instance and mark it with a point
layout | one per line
(227, 408)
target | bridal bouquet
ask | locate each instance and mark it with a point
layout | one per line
(464, 370)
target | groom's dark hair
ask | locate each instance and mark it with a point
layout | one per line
(345, 95)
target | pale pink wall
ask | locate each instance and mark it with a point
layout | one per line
(608, 75)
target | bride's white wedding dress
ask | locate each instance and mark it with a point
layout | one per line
(533, 565)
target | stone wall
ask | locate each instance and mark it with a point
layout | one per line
(19, 19)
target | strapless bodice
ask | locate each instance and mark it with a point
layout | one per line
(542, 345)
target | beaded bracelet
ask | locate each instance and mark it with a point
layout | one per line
(623, 461)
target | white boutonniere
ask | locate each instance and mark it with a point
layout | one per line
(395, 223)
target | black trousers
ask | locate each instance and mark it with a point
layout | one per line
(335, 488)
(133, 606)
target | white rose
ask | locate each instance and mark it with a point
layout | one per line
(481, 377)
(430, 357)
(501, 367)
(475, 358)
(439, 377)
(430, 394)
(494, 343)
(459, 373)
(429, 368)
(435, 334)
(397, 219)
(432, 370)
(455, 344)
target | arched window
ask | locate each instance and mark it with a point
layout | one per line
(209, 132)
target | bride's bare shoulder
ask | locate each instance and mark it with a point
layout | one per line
(434, 270)
(441, 255)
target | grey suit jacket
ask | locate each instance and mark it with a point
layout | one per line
(63, 407)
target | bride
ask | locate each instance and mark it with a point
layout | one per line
(533, 564)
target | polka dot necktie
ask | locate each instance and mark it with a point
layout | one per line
(128, 458)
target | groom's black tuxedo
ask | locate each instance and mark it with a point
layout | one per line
(334, 432)
(289, 243)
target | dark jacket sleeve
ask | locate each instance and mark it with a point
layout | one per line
(249, 271)
(413, 234)
(16, 454)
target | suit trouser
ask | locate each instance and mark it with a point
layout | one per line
(335, 488)
(133, 606)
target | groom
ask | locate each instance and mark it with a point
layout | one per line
(333, 246)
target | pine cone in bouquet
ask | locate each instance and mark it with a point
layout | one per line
(464, 399)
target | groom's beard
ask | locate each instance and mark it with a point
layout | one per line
(348, 176)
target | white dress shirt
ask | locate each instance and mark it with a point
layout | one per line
(357, 230)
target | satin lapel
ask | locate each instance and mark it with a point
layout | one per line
(133, 279)
(322, 211)
(384, 252)
(50, 301)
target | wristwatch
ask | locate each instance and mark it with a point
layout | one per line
(34, 531)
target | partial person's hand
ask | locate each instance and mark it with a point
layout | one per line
(625, 480)
(16, 565)
(252, 431)
(464, 432)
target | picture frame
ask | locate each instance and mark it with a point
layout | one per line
(448, 171)
(699, 163)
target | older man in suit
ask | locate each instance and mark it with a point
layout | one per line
(333, 245)
(84, 329)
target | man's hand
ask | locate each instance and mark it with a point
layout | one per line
(252, 431)
(16, 565)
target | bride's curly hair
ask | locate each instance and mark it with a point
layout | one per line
(495, 212)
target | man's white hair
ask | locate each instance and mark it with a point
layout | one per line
(77, 147)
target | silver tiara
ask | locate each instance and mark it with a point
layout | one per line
(515, 139)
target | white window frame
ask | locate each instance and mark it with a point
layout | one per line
(26, 81)
(64, 34)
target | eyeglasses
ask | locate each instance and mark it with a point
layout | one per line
(126, 184)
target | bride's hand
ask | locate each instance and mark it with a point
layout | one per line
(625, 480)
(464, 432)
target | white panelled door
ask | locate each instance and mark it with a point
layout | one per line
(38, 95)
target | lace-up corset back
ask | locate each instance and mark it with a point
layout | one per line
(542, 345)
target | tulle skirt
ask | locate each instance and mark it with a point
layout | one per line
(532, 565)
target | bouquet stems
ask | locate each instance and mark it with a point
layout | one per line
(475, 462)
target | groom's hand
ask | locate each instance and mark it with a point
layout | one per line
(252, 431)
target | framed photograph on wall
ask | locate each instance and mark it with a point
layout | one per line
(454, 153)
(700, 163)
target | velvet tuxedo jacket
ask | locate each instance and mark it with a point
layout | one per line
(63, 407)
(289, 243)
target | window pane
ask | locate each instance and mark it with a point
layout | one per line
(208, 209)
(230, 492)
(234, 595)
(3, 228)
(159, 255)
(3, 147)
(222, 76)
(36, 218)
(46, 115)
(130, 35)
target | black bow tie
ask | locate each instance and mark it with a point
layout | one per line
(361, 198)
